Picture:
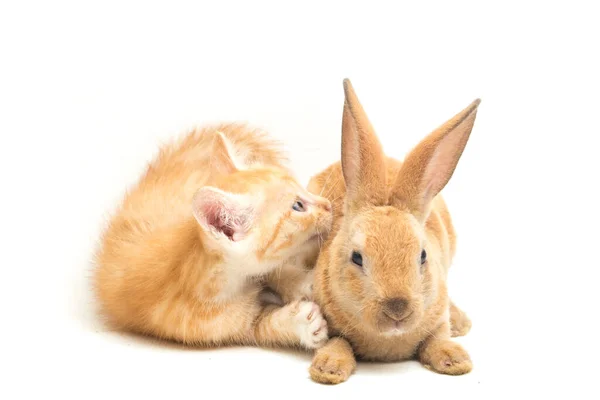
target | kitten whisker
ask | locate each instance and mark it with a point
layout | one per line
(326, 180)
(332, 188)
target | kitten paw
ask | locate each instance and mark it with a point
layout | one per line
(447, 357)
(310, 325)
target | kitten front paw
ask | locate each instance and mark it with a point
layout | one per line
(310, 324)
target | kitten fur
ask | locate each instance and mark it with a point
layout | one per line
(192, 245)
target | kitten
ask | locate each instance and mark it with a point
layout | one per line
(187, 254)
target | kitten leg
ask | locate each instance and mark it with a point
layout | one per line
(296, 324)
(204, 324)
(460, 324)
(333, 363)
(442, 355)
(292, 282)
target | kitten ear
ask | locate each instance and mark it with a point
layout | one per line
(223, 214)
(223, 157)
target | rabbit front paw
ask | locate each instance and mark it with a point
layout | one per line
(327, 368)
(446, 357)
(333, 363)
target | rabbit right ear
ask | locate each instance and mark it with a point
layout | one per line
(430, 165)
(363, 160)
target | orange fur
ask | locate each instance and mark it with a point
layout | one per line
(392, 308)
(186, 254)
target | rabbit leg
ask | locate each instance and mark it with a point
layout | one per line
(460, 324)
(442, 355)
(333, 363)
(297, 324)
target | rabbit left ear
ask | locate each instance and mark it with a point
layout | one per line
(430, 165)
(363, 160)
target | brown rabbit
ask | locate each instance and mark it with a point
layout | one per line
(380, 278)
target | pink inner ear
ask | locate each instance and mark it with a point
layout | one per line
(442, 164)
(226, 219)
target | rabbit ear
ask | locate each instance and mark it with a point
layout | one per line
(429, 166)
(223, 157)
(363, 160)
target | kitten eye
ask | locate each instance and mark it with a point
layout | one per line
(357, 258)
(423, 257)
(299, 206)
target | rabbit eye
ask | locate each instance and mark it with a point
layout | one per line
(357, 258)
(299, 206)
(423, 257)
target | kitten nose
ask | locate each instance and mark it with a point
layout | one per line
(396, 308)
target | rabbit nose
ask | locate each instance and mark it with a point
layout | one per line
(396, 308)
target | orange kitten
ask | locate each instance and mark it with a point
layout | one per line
(184, 256)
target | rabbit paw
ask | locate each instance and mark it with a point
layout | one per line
(460, 324)
(331, 368)
(446, 357)
(310, 325)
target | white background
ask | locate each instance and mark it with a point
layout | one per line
(88, 91)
